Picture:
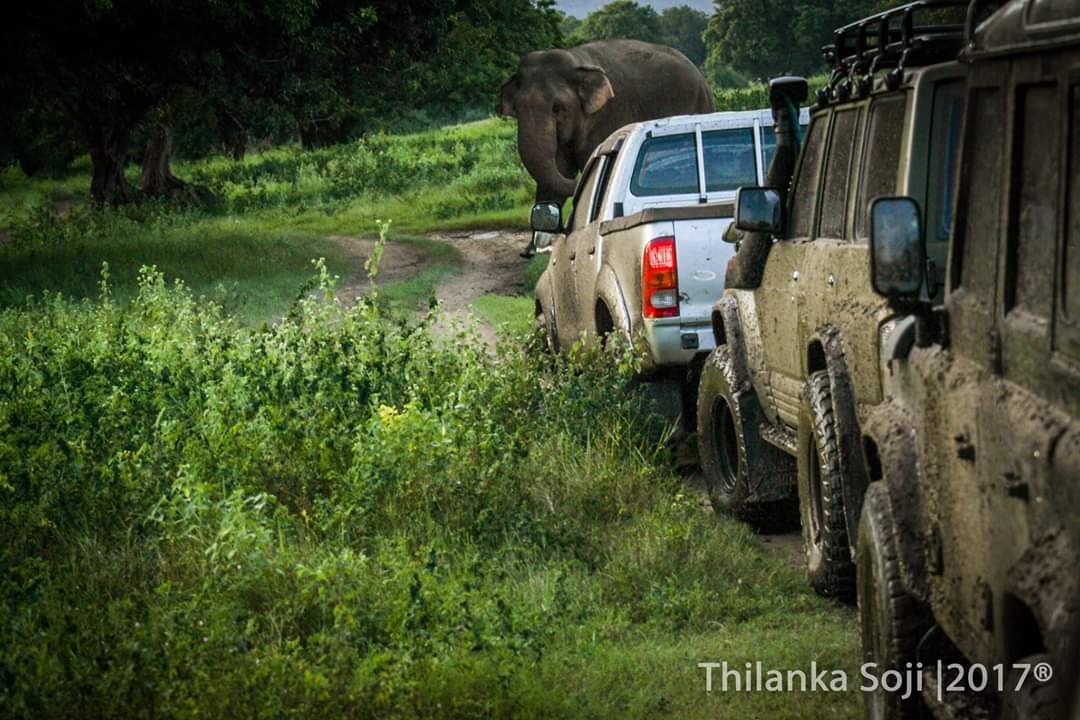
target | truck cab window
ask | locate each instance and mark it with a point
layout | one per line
(730, 162)
(768, 142)
(580, 214)
(666, 165)
(601, 187)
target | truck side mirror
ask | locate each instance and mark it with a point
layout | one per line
(546, 217)
(897, 248)
(759, 209)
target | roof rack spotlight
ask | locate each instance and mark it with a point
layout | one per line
(912, 35)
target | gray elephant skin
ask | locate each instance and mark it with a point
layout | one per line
(567, 101)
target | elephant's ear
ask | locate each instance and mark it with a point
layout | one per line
(506, 96)
(594, 89)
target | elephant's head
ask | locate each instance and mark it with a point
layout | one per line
(554, 97)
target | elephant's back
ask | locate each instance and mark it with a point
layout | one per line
(657, 79)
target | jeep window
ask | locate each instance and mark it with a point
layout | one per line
(584, 194)
(601, 187)
(768, 142)
(730, 161)
(944, 150)
(666, 165)
(837, 173)
(881, 158)
(1070, 293)
(804, 190)
(982, 193)
(1033, 236)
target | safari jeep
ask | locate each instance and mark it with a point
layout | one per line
(797, 364)
(969, 541)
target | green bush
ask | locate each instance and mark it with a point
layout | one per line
(340, 515)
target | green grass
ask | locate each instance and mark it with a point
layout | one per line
(513, 313)
(440, 262)
(341, 516)
(253, 248)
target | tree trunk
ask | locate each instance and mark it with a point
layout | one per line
(233, 135)
(108, 156)
(157, 177)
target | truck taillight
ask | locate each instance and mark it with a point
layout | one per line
(660, 279)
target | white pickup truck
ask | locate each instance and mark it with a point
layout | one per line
(641, 253)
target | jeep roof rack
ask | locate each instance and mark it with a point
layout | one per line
(890, 39)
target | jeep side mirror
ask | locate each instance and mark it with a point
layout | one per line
(759, 209)
(546, 217)
(897, 249)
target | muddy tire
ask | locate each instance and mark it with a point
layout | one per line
(821, 494)
(890, 619)
(544, 322)
(732, 453)
(1034, 700)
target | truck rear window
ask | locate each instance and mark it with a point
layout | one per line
(666, 165)
(729, 159)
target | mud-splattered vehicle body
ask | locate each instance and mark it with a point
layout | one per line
(797, 366)
(969, 540)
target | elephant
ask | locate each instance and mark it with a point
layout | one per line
(568, 101)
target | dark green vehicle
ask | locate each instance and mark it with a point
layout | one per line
(969, 540)
(797, 369)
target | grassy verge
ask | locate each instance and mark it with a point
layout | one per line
(512, 313)
(253, 248)
(341, 516)
(412, 293)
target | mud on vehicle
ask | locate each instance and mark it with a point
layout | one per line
(969, 540)
(797, 370)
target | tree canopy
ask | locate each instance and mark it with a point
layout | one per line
(106, 74)
(764, 38)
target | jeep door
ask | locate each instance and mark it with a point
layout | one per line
(777, 298)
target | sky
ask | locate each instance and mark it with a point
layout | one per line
(581, 8)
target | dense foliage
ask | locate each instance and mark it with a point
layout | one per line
(112, 76)
(681, 27)
(339, 516)
(760, 39)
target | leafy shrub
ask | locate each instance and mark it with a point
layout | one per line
(338, 515)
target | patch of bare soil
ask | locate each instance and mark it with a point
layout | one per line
(399, 261)
(492, 265)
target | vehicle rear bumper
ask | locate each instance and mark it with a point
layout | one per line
(677, 341)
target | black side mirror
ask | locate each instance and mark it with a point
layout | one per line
(546, 217)
(759, 209)
(897, 248)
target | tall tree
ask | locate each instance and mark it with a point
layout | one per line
(621, 19)
(683, 28)
(764, 38)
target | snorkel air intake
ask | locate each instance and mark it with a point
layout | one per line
(786, 94)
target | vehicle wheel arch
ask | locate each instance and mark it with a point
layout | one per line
(609, 294)
(825, 351)
(890, 451)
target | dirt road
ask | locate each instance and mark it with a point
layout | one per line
(490, 265)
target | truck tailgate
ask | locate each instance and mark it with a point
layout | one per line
(702, 257)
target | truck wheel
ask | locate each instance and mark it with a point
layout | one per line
(545, 322)
(1034, 700)
(821, 494)
(732, 453)
(889, 617)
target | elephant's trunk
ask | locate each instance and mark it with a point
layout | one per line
(538, 146)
